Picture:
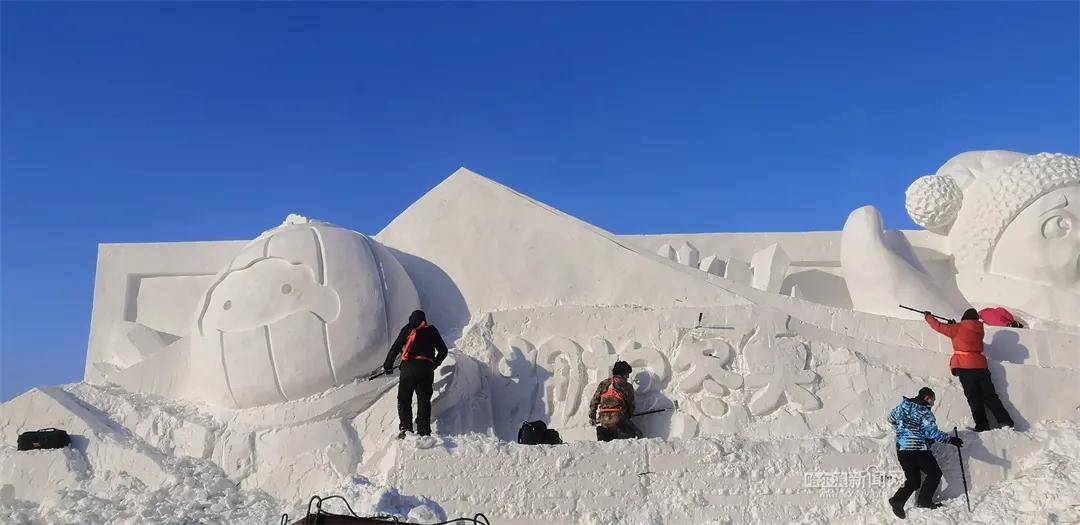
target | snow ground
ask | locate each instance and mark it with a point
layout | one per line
(581, 482)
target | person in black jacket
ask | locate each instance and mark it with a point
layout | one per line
(422, 351)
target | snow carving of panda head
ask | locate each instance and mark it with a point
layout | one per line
(301, 309)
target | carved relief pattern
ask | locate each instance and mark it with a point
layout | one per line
(706, 364)
(764, 363)
(561, 358)
(786, 380)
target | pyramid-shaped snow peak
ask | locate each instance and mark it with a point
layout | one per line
(473, 245)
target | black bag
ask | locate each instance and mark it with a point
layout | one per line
(44, 438)
(537, 433)
(532, 432)
(552, 437)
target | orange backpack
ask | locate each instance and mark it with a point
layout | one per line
(405, 355)
(612, 405)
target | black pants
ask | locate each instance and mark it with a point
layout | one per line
(626, 430)
(915, 463)
(980, 394)
(416, 376)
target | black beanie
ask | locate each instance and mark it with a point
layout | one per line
(621, 368)
(416, 318)
(970, 315)
(924, 392)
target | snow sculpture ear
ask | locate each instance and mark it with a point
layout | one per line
(934, 202)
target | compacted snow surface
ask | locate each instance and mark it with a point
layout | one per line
(427, 480)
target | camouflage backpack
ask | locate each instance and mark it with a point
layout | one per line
(612, 405)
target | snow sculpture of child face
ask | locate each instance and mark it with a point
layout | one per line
(1013, 228)
(1042, 244)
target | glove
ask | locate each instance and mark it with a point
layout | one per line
(951, 321)
(956, 442)
(388, 370)
(592, 422)
(926, 313)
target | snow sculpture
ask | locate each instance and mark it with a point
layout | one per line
(304, 307)
(1008, 221)
(966, 167)
(933, 202)
(688, 254)
(1022, 230)
(599, 358)
(245, 299)
(705, 361)
(561, 359)
(774, 385)
(787, 379)
(651, 369)
(456, 380)
(881, 270)
(712, 265)
(770, 267)
(738, 270)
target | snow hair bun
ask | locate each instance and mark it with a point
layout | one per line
(934, 201)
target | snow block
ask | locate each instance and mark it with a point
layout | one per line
(37, 474)
(770, 268)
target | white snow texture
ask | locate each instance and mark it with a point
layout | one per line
(226, 382)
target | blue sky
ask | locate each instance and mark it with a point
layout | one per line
(141, 122)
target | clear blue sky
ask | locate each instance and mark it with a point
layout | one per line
(137, 122)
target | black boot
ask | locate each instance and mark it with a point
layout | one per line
(897, 508)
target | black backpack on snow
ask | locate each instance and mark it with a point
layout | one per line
(537, 433)
(44, 438)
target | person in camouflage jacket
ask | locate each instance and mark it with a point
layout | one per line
(613, 405)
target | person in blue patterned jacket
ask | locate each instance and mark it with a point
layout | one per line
(916, 429)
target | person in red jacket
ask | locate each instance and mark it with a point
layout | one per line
(969, 365)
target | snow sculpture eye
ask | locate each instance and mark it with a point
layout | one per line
(227, 305)
(286, 289)
(1056, 227)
